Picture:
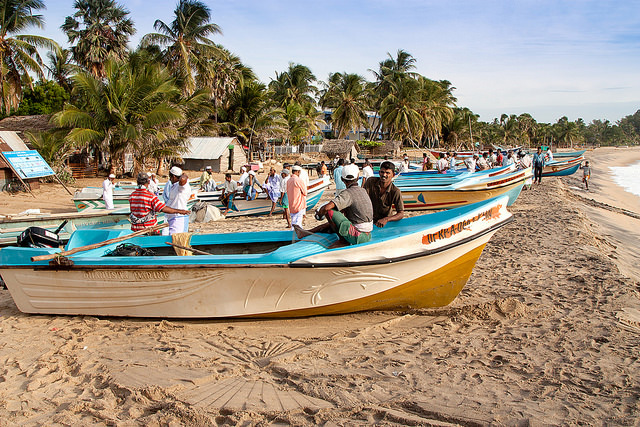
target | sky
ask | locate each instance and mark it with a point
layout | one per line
(548, 58)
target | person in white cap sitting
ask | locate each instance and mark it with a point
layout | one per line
(349, 214)
(107, 191)
(179, 194)
(207, 182)
(243, 176)
(249, 186)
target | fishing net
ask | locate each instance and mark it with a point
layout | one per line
(182, 239)
(129, 249)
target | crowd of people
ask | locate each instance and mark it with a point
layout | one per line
(361, 200)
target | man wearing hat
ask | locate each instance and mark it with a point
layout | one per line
(107, 191)
(207, 182)
(350, 213)
(178, 195)
(145, 205)
(297, 195)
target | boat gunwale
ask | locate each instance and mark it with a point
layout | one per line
(292, 264)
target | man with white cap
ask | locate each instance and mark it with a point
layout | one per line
(174, 175)
(207, 182)
(145, 205)
(107, 191)
(179, 194)
(297, 196)
(349, 214)
(284, 200)
(243, 176)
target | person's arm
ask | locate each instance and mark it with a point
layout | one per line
(325, 208)
(169, 210)
(395, 217)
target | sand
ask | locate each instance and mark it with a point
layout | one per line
(544, 333)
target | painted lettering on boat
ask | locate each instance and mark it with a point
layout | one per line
(125, 275)
(454, 229)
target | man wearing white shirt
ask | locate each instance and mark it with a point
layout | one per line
(367, 171)
(153, 183)
(180, 192)
(404, 166)
(107, 191)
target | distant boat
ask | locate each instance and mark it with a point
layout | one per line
(562, 167)
(90, 199)
(449, 192)
(422, 261)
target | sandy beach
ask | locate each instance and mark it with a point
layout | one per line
(546, 332)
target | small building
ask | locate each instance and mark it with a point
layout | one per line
(221, 153)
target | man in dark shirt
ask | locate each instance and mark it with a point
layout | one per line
(384, 196)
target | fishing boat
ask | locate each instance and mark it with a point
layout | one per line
(11, 226)
(90, 199)
(564, 167)
(422, 261)
(459, 191)
(261, 205)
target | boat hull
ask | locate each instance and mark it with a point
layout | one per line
(418, 262)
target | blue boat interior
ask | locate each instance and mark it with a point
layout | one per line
(264, 247)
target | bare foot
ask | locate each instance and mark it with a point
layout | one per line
(301, 232)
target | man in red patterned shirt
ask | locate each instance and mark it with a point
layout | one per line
(145, 205)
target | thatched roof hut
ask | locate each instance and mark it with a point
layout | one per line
(21, 124)
(343, 148)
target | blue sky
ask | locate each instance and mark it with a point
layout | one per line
(548, 58)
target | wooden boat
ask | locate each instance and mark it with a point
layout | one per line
(261, 205)
(422, 261)
(470, 188)
(90, 199)
(563, 167)
(12, 225)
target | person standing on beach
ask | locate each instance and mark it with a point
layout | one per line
(107, 191)
(337, 177)
(284, 200)
(538, 165)
(178, 199)
(442, 164)
(404, 166)
(452, 162)
(272, 185)
(297, 195)
(145, 205)
(153, 183)
(586, 174)
(367, 171)
(384, 196)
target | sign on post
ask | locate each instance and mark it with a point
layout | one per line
(28, 164)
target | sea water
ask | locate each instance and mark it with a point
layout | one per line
(627, 177)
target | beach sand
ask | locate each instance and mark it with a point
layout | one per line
(546, 332)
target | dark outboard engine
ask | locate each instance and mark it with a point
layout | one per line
(38, 237)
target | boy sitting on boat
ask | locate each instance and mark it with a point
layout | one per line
(349, 214)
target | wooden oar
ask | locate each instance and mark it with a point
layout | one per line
(186, 248)
(98, 245)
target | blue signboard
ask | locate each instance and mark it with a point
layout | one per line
(28, 164)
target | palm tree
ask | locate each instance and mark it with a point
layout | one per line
(129, 110)
(293, 86)
(347, 94)
(18, 53)
(188, 49)
(100, 30)
(399, 110)
(250, 116)
(60, 67)
(436, 106)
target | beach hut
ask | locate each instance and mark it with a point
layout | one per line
(221, 153)
(343, 148)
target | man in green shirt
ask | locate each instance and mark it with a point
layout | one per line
(385, 195)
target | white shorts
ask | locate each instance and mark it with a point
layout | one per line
(296, 218)
(177, 224)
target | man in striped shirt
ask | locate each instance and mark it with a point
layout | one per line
(145, 205)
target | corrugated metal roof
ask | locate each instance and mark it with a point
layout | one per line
(207, 147)
(13, 140)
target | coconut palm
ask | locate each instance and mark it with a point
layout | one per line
(399, 110)
(100, 31)
(60, 67)
(294, 86)
(347, 94)
(187, 46)
(18, 53)
(250, 115)
(436, 106)
(129, 110)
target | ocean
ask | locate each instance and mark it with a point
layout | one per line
(627, 177)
